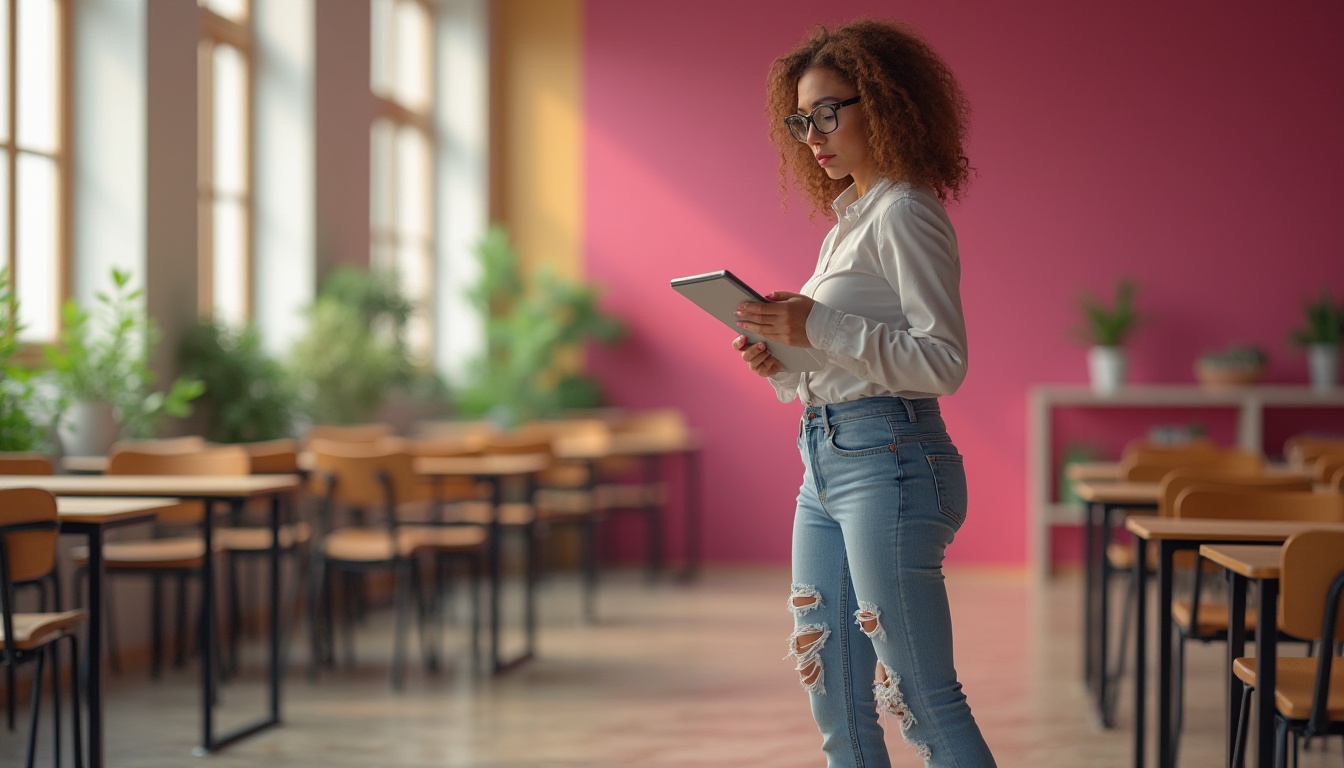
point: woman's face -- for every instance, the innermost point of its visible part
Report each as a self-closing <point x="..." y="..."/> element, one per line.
<point x="844" y="151"/>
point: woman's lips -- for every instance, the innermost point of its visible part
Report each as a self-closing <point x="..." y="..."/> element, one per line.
<point x="824" y="160"/>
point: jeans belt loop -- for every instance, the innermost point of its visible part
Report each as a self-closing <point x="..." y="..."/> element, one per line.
<point x="909" y="409"/>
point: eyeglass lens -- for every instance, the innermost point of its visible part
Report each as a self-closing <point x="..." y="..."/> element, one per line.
<point x="823" y="117"/>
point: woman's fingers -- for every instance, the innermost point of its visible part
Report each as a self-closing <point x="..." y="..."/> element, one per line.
<point x="757" y="357"/>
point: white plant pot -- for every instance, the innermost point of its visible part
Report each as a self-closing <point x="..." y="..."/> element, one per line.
<point x="1106" y="367"/>
<point x="1323" y="364"/>
<point x="88" y="429"/>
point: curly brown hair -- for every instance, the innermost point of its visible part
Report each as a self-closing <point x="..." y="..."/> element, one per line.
<point x="916" y="113"/>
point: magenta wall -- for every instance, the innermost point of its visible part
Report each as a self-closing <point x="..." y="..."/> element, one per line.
<point x="1196" y="146"/>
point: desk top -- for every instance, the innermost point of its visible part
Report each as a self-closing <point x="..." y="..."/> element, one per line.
<point x="1113" y="492"/>
<point x="186" y="486"/>
<point x="1154" y="528"/>
<point x="1254" y="561"/>
<point x="625" y="445"/>
<point x="100" y="511"/>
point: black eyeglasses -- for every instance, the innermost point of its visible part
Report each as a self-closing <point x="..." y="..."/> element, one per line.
<point x="822" y="118"/>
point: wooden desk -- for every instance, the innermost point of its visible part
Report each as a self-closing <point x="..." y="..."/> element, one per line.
<point x="493" y="470"/>
<point x="1245" y="562"/>
<point x="1171" y="535"/>
<point x="235" y="490"/>
<point x="91" y="517"/>
<point x="653" y="450"/>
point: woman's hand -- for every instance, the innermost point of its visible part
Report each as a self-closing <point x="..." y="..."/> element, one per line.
<point x="758" y="357"/>
<point x="782" y="318"/>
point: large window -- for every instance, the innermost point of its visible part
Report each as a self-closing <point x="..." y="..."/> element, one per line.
<point x="33" y="174"/>
<point x="225" y="160"/>
<point x="402" y="155"/>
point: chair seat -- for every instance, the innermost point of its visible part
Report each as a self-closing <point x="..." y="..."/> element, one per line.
<point x="34" y="629"/>
<point x="1294" y="680"/>
<point x="478" y="512"/>
<point x="452" y="538"/>
<point x="182" y="553"/>
<point x="259" y="539"/>
<point x="368" y="545"/>
<point x="1213" y="617"/>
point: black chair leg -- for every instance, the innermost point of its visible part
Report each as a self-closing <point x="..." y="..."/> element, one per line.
<point x="35" y="708"/>
<point x="155" y="626"/>
<point x="1243" y="714"/>
<point x="74" y="700"/>
<point x="590" y="570"/>
<point x="55" y="703"/>
<point x="316" y="588"/>
<point x="401" y="575"/>
<point x="235" y="610"/>
<point x="1127" y="608"/>
<point x="1280" y="742"/>
<point x="180" y="659"/>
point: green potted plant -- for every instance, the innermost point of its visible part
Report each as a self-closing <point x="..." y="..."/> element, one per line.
<point x="533" y="325"/>
<point x="100" y="366"/>
<point x="24" y="410"/>
<point x="353" y="354"/>
<point x="1235" y="365"/>
<point x="248" y="394"/>
<point x="1106" y="329"/>
<point x="1321" y="338"/>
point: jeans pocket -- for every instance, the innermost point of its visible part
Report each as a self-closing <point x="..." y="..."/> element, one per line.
<point x="862" y="437"/>
<point x="949" y="477"/>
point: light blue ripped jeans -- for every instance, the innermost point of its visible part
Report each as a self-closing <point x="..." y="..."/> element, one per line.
<point x="883" y="493"/>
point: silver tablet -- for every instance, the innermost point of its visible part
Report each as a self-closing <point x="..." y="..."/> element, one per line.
<point x="719" y="293"/>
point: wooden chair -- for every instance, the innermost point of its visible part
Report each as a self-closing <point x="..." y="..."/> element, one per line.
<point x="464" y="435"/>
<point x="1326" y="464"/>
<point x="28" y="532"/>
<point x="377" y="479"/>
<point x="1308" y="692"/>
<point x="27" y="463"/>
<point x="1151" y="465"/>
<point x="176" y="551"/>
<point x="1144" y="444"/>
<point x="1226" y="501"/>
<point x="166" y="445"/>
<point x="1301" y="450"/>
<point x="246" y="539"/>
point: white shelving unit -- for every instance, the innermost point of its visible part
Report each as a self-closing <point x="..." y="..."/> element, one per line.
<point x="1249" y="402"/>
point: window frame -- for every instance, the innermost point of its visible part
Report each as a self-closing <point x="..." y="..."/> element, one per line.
<point x="389" y="238"/>
<point x="218" y="30"/>
<point x="29" y="348"/>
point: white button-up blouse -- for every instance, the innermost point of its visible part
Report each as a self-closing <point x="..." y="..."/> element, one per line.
<point x="888" y="304"/>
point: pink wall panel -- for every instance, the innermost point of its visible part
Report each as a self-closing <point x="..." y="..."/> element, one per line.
<point x="1193" y="146"/>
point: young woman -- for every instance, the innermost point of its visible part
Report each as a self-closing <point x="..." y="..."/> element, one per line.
<point x="870" y="123"/>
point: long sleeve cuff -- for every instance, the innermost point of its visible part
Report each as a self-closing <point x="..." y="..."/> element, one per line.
<point x="822" y="324"/>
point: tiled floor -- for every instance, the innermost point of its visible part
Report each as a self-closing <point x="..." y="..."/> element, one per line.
<point x="671" y="676"/>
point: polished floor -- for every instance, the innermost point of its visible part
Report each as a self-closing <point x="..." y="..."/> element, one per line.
<point x="671" y="675"/>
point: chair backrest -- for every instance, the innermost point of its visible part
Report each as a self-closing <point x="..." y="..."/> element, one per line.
<point x="349" y="433"/>
<point x="26" y="463"/>
<point x="1311" y="561"/>
<point x="1336" y="482"/>
<point x="1301" y="450"/>
<point x="167" y="445"/>
<point x="30" y="554"/>
<point x="273" y="457"/>
<point x="659" y="423"/>
<point x="352" y="475"/>
<point x="221" y="461"/>
<point x="1177" y="480"/>
<point x="224" y="460"/>
<point x="471" y="433"/>
<point x="1206" y="501"/>
<point x="1150" y="466"/>
<point x="1324" y="466"/>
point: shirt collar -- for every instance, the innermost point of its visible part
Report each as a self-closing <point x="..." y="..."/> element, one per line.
<point x="850" y="206"/>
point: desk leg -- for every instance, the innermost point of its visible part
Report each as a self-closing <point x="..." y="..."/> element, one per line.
<point x="93" y="683"/>
<point x="496" y="532"/>
<point x="275" y="608"/>
<point x="1140" y="651"/>
<point x="1165" y="550"/>
<point x="691" y="504"/>
<point x="498" y="664"/>
<point x="1236" y="647"/>
<point x="1089" y="590"/>
<point x="1104" y="615"/>
<point x="1266" y="652"/>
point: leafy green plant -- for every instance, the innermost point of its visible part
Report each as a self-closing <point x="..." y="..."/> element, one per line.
<point x="1109" y="326"/>
<point x="1325" y="321"/>
<point x="354" y="352"/>
<point x="248" y="394"/>
<point x="531" y="327"/>
<point x="103" y="356"/>
<point x="20" y="399"/>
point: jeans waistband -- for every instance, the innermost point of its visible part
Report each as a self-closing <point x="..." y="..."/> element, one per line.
<point x="899" y="408"/>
